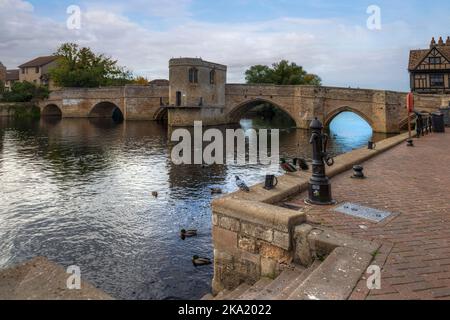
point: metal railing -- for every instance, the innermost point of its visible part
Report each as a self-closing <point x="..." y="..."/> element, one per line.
<point x="424" y="123"/>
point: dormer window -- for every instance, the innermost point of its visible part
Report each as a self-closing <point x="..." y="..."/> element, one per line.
<point x="212" y="77"/>
<point x="193" y="75"/>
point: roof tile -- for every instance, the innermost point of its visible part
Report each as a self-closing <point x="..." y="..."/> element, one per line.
<point x="39" y="62"/>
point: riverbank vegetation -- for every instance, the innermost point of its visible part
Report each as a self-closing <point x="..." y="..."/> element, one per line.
<point x="25" y="92"/>
<point x="20" y="102"/>
<point x="19" y="110"/>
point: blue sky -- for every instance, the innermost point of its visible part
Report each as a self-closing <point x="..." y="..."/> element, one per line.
<point x="327" y="37"/>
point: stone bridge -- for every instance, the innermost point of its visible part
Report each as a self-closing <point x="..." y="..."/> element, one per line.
<point x="127" y="102"/>
<point x="383" y="110"/>
<point x="197" y="90"/>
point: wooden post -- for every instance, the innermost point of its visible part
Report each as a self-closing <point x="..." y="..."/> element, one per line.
<point x="410" y="107"/>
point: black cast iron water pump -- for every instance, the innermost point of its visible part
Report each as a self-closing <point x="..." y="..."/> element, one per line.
<point x="319" y="184"/>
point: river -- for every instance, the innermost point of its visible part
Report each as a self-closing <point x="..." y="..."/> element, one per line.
<point x="79" y="192"/>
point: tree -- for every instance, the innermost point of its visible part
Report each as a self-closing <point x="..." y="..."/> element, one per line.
<point x="259" y="74"/>
<point x="281" y="73"/>
<point x="2" y="87"/>
<point x="25" y="92"/>
<point x="80" y="67"/>
<point x="141" y="81"/>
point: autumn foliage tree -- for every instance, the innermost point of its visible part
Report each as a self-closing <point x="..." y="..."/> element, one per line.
<point x="141" y="81"/>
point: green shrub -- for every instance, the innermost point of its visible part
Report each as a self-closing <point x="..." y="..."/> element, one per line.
<point x="25" y="92"/>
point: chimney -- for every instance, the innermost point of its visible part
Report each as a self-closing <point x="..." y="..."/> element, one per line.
<point x="447" y="43"/>
<point x="433" y="43"/>
<point x="440" y="42"/>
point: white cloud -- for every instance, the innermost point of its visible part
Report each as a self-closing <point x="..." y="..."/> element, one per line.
<point x="19" y="5"/>
<point x="342" y="54"/>
<point x="168" y="9"/>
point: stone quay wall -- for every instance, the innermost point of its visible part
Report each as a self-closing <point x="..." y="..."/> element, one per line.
<point x="254" y="237"/>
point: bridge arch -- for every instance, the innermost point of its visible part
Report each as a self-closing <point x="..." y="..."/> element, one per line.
<point x="330" y="117"/>
<point x="51" y="110"/>
<point x="238" y="111"/>
<point x="161" y="114"/>
<point x="106" y="109"/>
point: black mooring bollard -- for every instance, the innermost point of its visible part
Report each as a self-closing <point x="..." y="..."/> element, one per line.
<point x="319" y="184"/>
<point x="410" y="143"/>
<point x="358" y="172"/>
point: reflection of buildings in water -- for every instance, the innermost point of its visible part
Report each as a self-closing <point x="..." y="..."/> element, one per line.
<point x="79" y="147"/>
<point x="195" y="176"/>
<point x="294" y="143"/>
<point x="156" y="131"/>
<point x="49" y="121"/>
<point x="189" y="175"/>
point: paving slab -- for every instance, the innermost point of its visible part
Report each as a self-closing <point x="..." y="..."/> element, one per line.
<point x="414" y="183"/>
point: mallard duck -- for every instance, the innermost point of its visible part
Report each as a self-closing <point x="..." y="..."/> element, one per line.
<point x="216" y="191"/>
<point x="242" y="185"/>
<point x="188" y="233"/>
<point x="198" y="261"/>
<point x="301" y="163"/>
<point x="155" y="194"/>
<point x="287" y="166"/>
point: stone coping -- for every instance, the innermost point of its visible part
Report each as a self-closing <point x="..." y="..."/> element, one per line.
<point x="312" y="87"/>
<point x="291" y="184"/>
<point x="260" y="213"/>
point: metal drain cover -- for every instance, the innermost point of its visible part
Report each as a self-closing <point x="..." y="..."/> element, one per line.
<point x="362" y="212"/>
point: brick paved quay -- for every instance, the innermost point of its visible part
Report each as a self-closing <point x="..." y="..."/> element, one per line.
<point x="414" y="183"/>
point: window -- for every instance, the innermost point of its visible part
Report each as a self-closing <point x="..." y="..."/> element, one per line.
<point x="435" y="60"/>
<point x="178" y="98"/>
<point x="37" y="69"/>
<point x="193" y="75"/>
<point x="437" y="80"/>
<point x="421" y="81"/>
<point x="212" y="77"/>
<point x="23" y="70"/>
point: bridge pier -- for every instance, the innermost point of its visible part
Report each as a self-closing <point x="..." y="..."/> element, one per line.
<point x="186" y="116"/>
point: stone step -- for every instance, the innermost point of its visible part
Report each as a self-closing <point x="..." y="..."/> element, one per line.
<point x="221" y="294"/>
<point x="253" y="291"/>
<point x="207" y="297"/>
<point x="279" y="284"/>
<point x="336" y="277"/>
<point x="236" y="293"/>
<point x="293" y="285"/>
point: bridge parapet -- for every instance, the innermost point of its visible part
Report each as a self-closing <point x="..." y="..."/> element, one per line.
<point x="135" y="102"/>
